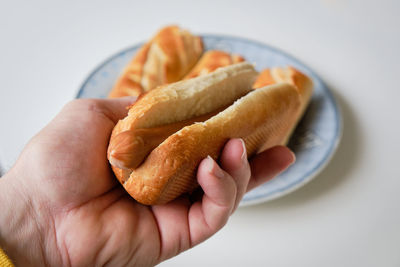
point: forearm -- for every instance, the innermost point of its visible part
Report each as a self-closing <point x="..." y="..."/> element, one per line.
<point x="20" y="236"/>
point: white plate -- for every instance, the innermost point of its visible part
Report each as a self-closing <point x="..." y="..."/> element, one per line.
<point x="314" y="141"/>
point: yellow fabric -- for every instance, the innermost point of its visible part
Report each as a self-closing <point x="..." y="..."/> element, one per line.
<point x="4" y="260"/>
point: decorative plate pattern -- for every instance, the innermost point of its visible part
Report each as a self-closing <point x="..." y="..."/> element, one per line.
<point x="314" y="141"/>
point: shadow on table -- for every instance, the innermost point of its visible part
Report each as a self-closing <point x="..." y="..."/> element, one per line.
<point x="335" y="173"/>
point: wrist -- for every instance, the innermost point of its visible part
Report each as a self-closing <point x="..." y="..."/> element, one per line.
<point x="19" y="231"/>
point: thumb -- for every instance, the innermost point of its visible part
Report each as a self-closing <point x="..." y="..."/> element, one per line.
<point x="87" y="118"/>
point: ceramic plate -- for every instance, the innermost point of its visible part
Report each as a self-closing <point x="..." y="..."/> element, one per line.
<point x="314" y="141"/>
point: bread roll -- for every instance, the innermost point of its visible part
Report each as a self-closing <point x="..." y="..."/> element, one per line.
<point x="179" y="125"/>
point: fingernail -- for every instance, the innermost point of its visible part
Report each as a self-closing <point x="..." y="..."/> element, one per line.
<point x="293" y="157"/>
<point x="244" y="152"/>
<point x="213" y="168"/>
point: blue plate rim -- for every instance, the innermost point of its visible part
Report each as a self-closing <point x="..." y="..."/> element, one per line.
<point x="310" y="175"/>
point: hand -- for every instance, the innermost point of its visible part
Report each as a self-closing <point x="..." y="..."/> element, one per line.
<point x="61" y="205"/>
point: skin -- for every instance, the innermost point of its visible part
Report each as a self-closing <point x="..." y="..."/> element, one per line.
<point x="61" y="204"/>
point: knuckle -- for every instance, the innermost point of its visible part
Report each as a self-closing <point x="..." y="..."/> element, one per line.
<point x="94" y="107"/>
<point x="83" y="103"/>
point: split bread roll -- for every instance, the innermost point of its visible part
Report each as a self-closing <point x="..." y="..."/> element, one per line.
<point x="155" y="150"/>
<point x="166" y="58"/>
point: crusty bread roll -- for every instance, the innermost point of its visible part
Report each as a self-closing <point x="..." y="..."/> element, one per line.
<point x="212" y="60"/>
<point x="166" y="58"/>
<point x="156" y="149"/>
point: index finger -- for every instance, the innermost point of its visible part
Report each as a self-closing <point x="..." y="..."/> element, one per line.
<point x="268" y="164"/>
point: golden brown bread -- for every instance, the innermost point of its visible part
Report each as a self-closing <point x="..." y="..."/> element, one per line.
<point x="262" y="117"/>
<point x="212" y="60"/>
<point x="164" y="59"/>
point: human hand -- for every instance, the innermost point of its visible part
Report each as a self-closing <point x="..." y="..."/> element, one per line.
<point x="61" y="204"/>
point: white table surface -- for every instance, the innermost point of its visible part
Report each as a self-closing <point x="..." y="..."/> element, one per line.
<point x="348" y="216"/>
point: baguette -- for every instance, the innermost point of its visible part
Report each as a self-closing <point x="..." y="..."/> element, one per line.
<point x="154" y="152"/>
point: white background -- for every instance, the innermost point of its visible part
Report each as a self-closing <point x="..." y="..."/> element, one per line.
<point x="348" y="216"/>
